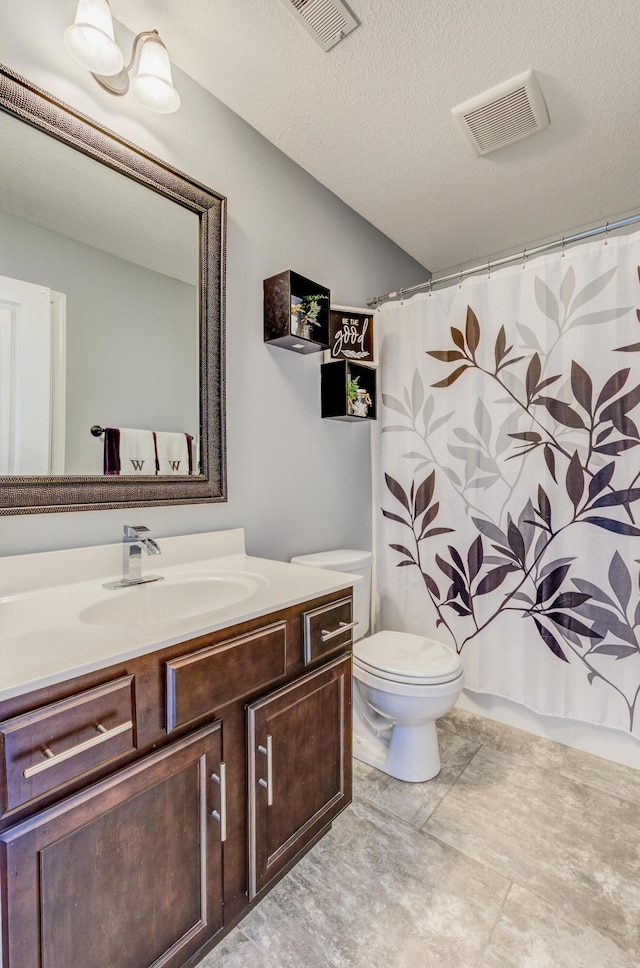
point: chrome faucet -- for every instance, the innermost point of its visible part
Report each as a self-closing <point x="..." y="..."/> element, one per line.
<point x="135" y="538"/>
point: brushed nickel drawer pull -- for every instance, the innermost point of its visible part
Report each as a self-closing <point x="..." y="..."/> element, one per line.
<point x="342" y="627"/>
<point x="52" y="759"/>
<point x="221" y="815"/>
<point x="268" y="783"/>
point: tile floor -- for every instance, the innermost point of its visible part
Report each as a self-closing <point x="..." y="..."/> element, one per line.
<point x="522" y="853"/>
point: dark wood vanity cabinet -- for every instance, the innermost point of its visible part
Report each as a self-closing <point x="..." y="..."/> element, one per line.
<point x="141" y="850"/>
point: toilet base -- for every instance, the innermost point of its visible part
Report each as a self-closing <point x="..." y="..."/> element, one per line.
<point x="394" y="724"/>
<point x="408" y="753"/>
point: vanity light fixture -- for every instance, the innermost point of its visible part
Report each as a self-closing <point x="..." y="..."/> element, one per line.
<point x="91" y="43"/>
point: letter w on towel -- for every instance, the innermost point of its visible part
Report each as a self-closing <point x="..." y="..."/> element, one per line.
<point x="175" y="453"/>
<point x="128" y="451"/>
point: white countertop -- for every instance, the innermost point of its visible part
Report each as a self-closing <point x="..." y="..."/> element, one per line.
<point x="44" y="639"/>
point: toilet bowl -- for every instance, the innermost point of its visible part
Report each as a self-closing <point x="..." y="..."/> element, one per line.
<point x="402" y="683"/>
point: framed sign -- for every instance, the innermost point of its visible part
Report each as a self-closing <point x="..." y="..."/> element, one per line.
<point x="351" y="335"/>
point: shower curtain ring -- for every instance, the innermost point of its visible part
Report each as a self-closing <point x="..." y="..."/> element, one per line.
<point x="488" y="269"/>
<point x="402" y="297"/>
<point x="460" y="282"/>
<point x="606" y="234"/>
<point x="524" y="258"/>
<point x="562" y="242"/>
<point x="430" y="287"/>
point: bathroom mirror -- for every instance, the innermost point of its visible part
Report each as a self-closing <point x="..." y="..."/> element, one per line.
<point x="111" y="312"/>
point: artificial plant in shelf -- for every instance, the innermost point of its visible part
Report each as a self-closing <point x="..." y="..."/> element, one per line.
<point x="304" y="314"/>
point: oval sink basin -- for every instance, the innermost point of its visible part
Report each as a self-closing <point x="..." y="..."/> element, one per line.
<point x="171" y="599"/>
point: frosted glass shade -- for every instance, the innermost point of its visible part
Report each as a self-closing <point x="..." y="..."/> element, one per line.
<point x="153" y="83"/>
<point x="90" y="40"/>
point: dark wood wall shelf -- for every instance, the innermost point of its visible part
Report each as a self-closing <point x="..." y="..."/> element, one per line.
<point x="335" y="379"/>
<point x="296" y="313"/>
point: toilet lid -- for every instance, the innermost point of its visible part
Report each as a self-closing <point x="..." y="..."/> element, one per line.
<point x="403" y="657"/>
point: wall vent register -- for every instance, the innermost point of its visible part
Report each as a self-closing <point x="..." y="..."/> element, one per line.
<point x="508" y="112"/>
<point x="327" y="21"/>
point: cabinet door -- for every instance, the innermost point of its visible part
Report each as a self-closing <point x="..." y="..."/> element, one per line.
<point x="299" y="767"/>
<point x="126" y="874"/>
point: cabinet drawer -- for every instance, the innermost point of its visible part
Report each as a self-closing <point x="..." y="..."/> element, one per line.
<point x="327" y="630"/>
<point x="202" y="682"/>
<point x="51" y="745"/>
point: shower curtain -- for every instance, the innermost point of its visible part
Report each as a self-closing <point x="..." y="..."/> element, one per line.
<point x="507" y="479"/>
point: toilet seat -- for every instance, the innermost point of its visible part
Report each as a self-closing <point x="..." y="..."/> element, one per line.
<point x="406" y="658"/>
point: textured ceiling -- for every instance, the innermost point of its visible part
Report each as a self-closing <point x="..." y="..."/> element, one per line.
<point x="372" y="121"/>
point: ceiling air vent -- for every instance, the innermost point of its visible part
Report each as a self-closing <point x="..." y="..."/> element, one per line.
<point x="507" y="113"/>
<point x="328" y="21"/>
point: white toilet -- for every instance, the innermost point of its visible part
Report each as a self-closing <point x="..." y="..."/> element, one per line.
<point x="402" y="683"/>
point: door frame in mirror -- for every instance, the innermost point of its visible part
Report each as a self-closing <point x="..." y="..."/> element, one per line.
<point x="27" y="495"/>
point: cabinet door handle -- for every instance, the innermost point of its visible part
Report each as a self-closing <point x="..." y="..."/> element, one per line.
<point x="268" y="783"/>
<point x="52" y="759"/>
<point x="342" y="627"/>
<point x="221" y="814"/>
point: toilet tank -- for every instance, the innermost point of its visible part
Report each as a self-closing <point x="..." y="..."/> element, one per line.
<point x="347" y="560"/>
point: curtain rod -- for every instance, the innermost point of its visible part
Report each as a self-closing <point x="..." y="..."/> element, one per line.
<point x="488" y="265"/>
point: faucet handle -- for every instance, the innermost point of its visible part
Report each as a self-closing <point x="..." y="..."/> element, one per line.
<point x="134" y="530"/>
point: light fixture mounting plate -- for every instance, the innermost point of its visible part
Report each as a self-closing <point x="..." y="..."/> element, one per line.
<point x="117" y="84"/>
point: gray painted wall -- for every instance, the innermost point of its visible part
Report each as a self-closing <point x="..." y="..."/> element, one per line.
<point x="132" y="338"/>
<point x="296" y="483"/>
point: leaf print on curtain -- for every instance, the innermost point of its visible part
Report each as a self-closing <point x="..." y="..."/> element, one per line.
<point x="508" y="479"/>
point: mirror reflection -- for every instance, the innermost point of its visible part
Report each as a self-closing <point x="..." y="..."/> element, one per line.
<point x="99" y="317"/>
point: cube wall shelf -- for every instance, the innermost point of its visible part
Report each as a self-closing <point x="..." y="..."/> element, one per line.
<point x="337" y="379"/>
<point x="296" y="313"/>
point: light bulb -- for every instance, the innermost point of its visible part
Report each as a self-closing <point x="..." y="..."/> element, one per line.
<point x="90" y="39"/>
<point x="153" y="83"/>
